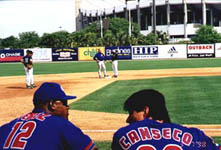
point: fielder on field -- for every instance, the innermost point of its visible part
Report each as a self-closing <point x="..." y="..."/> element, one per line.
<point x="150" y="127"/>
<point x="114" y="60"/>
<point x="100" y="58"/>
<point x="28" y="67"/>
<point x="47" y="126"/>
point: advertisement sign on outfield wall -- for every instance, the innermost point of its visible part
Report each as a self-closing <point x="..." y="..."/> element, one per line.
<point x="87" y="53"/>
<point x="145" y="52"/>
<point x="218" y="49"/>
<point x="11" y="55"/>
<point x="41" y="54"/>
<point x="200" y="50"/>
<point x="64" y="54"/>
<point x="124" y="52"/>
<point x="172" y="51"/>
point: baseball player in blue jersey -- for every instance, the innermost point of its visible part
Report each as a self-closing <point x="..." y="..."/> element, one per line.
<point x="28" y="66"/>
<point x="150" y="127"/>
<point x="47" y="126"/>
<point x="100" y="58"/>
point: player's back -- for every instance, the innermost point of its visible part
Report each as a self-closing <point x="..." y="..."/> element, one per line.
<point x="40" y="131"/>
<point x="151" y="135"/>
<point x="27" y="60"/>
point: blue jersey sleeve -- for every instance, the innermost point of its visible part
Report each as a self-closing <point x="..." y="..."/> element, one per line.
<point x="1" y="135"/>
<point x="76" y="138"/>
<point x="204" y="140"/>
<point x="212" y="145"/>
<point x="95" y="56"/>
<point x="106" y="58"/>
<point x="4" y="133"/>
<point x="115" y="145"/>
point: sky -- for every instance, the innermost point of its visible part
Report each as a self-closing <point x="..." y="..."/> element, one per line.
<point x="41" y="16"/>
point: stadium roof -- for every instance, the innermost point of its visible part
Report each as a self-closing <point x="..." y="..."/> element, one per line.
<point x="94" y="6"/>
<point x="99" y="6"/>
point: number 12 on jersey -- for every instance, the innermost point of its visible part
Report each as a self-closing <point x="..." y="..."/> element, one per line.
<point x="17" y="139"/>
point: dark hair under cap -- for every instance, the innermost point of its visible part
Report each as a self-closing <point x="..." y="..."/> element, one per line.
<point x="29" y="51"/>
<point x="150" y="98"/>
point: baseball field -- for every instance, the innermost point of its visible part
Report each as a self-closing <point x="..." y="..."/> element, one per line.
<point x="191" y="88"/>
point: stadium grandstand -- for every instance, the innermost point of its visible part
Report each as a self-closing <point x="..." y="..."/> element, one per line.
<point x="177" y="18"/>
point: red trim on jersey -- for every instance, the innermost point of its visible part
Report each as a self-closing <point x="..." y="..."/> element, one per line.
<point x="89" y="146"/>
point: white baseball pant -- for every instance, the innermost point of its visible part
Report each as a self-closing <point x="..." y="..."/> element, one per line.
<point x="115" y="67"/>
<point x="102" y="66"/>
<point x="29" y="76"/>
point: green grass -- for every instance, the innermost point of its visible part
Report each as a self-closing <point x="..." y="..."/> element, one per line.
<point x="17" y="69"/>
<point x="103" y="145"/>
<point x="190" y="100"/>
<point x="14" y="69"/>
<point x="217" y="139"/>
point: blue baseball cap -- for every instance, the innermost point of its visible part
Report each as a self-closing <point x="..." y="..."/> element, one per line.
<point x="50" y="91"/>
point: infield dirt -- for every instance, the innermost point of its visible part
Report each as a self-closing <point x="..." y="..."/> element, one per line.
<point x="16" y="100"/>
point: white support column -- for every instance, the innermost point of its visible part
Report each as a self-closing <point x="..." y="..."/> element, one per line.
<point x="129" y="28"/>
<point x="194" y="17"/>
<point x="138" y="14"/>
<point x="151" y="7"/>
<point x="78" y="15"/>
<point x="211" y="17"/>
<point x="146" y="22"/>
<point x="153" y="18"/>
<point x="101" y="24"/>
<point x="204" y="12"/>
<point x="185" y="19"/>
<point x="168" y="18"/>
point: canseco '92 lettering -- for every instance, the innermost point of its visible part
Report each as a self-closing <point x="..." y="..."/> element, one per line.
<point x="146" y="133"/>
